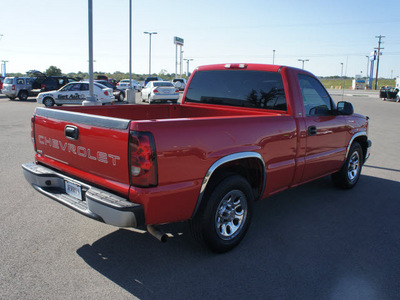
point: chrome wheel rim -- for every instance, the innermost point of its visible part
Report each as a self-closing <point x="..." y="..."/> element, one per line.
<point x="231" y="215"/>
<point x="354" y="166"/>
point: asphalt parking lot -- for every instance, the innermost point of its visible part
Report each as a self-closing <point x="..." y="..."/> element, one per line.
<point x="311" y="242"/>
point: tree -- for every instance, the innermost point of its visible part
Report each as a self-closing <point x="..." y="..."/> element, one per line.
<point x="53" y="71"/>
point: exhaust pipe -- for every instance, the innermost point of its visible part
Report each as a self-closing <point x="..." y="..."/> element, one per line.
<point x="157" y="233"/>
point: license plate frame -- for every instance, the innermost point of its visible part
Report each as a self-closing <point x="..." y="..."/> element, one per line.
<point x="74" y="190"/>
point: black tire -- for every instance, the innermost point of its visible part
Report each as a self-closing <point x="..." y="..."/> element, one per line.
<point x="11" y="98"/>
<point x="224" y="215"/>
<point x="121" y="97"/>
<point x="350" y="172"/>
<point x="23" y="95"/>
<point x="48" y="102"/>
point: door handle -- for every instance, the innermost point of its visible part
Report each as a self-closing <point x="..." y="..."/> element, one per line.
<point x="312" y="130"/>
<point x="71" y="132"/>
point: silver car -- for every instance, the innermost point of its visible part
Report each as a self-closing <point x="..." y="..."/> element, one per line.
<point x="20" y="87"/>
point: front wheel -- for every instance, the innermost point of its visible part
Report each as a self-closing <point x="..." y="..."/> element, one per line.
<point x="48" y="102"/>
<point x="224" y="215"/>
<point x="350" y="172"/>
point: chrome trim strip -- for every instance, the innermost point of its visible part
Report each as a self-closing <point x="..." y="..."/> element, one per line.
<point x="361" y="133"/>
<point x="224" y="160"/>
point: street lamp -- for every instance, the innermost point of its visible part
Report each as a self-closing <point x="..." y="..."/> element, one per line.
<point x="303" y="60"/>
<point x="187" y="61"/>
<point x="149" y="33"/>
<point x="367" y="56"/>
<point x="273" y="57"/>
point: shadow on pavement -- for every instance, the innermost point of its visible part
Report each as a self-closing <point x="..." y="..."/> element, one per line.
<point x="311" y="242"/>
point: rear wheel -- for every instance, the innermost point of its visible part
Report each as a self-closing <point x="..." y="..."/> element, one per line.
<point x="23" y="95"/>
<point x="48" y="102"/>
<point x="121" y="97"/>
<point x="224" y="215"/>
<point x="350" y="172"/>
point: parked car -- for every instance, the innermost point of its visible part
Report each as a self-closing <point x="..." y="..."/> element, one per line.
<point x="20" y="87"/>
<point x="119" y="94"/>
<point x="180" y="83"/>
<point x="75" y="93"/>
<point x="124" y="85"/>
<point x="160" y="91"/>
<point x="152" y="78"/>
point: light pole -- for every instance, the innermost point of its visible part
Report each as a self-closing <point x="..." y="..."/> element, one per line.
<point x="149" y="33"/>
<point x="367" y="56"/>
<point x="303" y="60"/>
<point x="4" y="63"/>
<point x="187" y="62"/>
<point x="273" y="57"/>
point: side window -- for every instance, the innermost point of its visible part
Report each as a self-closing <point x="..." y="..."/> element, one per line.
<point x="20" y="81"/>
<point x="316" y="100"/>
<point x="84" y="87"/>
<point x="75" y="87"/>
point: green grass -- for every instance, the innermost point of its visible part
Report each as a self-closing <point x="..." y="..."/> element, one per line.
<point x="347" y="83"/>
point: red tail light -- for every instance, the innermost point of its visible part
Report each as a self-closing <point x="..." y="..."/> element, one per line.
<point x="106" y="93"/>
<point x="176" y="91"/>
<point x="13" y="87"/>
<point x="155" y="91"/>
<point x="143" y="163"/>
<point x="43" y="86"/>
<point x="33" y="131"/>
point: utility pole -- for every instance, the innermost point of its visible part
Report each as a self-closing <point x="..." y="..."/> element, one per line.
<point x="273" y="57"/>
<point x="379" y="54"/>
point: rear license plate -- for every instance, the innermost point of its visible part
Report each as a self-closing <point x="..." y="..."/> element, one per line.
<point x="73" y="190"/>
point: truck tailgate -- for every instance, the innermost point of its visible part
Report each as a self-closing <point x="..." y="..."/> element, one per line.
<point x="84" y="144"/>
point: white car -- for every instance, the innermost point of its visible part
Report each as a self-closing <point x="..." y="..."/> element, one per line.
<point x="180" y="83"/>
<point x="160" y="91"/>
<point x="75" y="93"/>
<point x="124" y="85"/>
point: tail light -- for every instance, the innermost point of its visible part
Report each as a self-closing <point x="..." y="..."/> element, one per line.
<point x="177" y="91"/>
<point x="33" y="132"/>
<point x="155" y="91"/>
<point x="13" y="87"/>
<point x="106" y="93"/>
<point x="43" y="86"/>
<point x="142" y="159"/>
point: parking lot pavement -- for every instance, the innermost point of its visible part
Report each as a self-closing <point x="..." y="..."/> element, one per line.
<point x="311" y="242"/>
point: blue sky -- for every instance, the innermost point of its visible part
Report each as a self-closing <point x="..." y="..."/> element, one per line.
<point x="38" y="34"/>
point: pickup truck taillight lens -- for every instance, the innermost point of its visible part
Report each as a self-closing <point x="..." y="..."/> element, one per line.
<point x="33" y="131"/>
<point x="142" y="159"/>
<point x="13" y="87"/>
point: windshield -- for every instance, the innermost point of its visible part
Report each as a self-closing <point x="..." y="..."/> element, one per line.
<point x="258" y="89"/>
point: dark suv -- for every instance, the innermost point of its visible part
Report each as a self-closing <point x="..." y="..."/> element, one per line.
<point x="44" y="83"/>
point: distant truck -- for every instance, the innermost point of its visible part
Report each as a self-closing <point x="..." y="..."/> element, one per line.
<point x="243" y="132"/>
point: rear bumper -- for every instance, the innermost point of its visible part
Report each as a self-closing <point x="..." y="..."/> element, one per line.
<point x="96" y="204"/>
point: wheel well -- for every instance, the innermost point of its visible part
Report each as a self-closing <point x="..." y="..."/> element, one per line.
<point x="251" y="169"/>
<point x="363" y="141"/>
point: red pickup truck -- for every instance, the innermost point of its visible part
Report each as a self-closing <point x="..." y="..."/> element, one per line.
<point x="242" y="133"/>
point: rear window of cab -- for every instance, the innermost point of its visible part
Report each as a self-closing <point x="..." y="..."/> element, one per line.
<point x="242" y="88"/>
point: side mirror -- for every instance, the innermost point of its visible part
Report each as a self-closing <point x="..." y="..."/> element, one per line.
<point x="345" y="108"/>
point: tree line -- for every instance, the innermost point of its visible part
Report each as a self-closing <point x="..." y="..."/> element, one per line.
<point x="117" y="75"/>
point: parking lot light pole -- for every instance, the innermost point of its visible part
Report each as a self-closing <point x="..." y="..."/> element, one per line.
<point x="149" y="33"/>
<point x="303" y="60"/>
<point x="187" y="62"/>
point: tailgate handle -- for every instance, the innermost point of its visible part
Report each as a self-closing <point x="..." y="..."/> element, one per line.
<point x="71" y="132"/>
